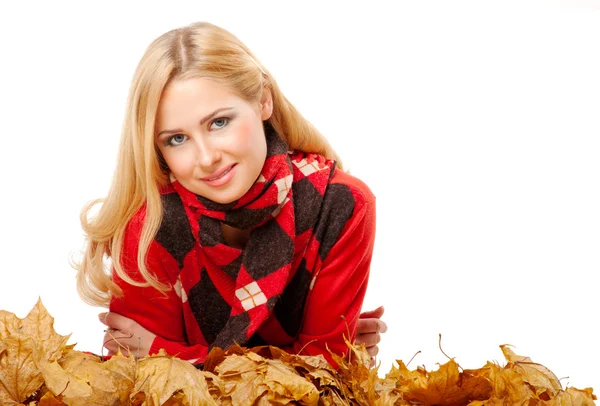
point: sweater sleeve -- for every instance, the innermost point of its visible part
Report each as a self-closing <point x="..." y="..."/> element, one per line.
<point x="159" y="312"/>
<point x="333" y="306"/>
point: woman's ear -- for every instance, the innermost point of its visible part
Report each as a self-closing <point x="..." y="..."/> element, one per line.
<point x="266" y="104"/>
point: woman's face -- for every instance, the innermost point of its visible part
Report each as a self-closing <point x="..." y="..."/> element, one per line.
<point x="212" y="140"/>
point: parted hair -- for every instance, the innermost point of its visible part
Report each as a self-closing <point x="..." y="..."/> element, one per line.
<point x="197" y="50"/>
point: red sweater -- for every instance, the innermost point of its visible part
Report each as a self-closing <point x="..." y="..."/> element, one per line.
<point x="337" y="288"/>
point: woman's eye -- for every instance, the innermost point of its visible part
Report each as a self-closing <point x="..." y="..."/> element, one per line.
<point x="219" y="123"/>
<point x="177" y="139"/>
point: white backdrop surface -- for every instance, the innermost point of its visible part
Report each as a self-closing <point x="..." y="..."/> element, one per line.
<point x="475" y="123"/>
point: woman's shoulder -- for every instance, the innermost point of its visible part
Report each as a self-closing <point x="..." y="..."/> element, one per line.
<point x="360" y="191"/>
<point x="342" y="186"/>
<point x="347" y="212"/>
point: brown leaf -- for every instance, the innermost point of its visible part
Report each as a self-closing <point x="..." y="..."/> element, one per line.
<point x="314" y="368"/>
<point x="358" y="383"/>
<point x="538" y="376"/>
<point x="446" y="386"/>
<point x="50" y="400"/>
<point x="61" y="382"/>
<point x="241" y="379"/>
<point x="19" y="376"/>
<point x="573" y="397"/>
<point x="286" y="385"/>
<point x="253" y="379"/>
<point x="507" y="385"/>
<point x="109" y="382"/>
<point x="160" y="376"/>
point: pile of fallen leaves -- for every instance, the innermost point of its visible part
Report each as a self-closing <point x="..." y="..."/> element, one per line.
<point x="38" y="368"/>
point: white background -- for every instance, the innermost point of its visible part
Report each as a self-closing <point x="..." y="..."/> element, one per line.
<point x="475" y="123"/>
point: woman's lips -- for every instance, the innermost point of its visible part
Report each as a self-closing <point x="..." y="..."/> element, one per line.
<point x="220" y="177"/>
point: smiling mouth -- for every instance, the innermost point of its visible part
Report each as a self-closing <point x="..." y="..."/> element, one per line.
<point x="219" y="176"/>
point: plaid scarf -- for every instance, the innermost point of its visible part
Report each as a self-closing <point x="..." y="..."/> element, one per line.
<point x="237" y="290"/>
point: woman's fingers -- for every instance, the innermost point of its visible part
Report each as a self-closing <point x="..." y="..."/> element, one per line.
<point x="115" y="340"/>
<point x="125" y="334"/>
<point x="373" y="351"/>
<point x="366" y="326"/>
<point x="369" y="340"/>
<point x="118" y="334"/>
<point x="110" y="343"/>
<point x="373" y="314"/>
<point x="368" y="331"/>
<point x="116" y="322"/>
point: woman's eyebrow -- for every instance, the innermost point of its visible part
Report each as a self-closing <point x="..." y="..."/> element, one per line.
<point x="202" y="121"/>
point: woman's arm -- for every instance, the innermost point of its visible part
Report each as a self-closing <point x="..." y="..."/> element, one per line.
<point x="149" y="311"/>
<point x="132" y="339"/>
<point x="333" y="306"/>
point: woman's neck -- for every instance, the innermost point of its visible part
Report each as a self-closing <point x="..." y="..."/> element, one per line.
<point x="235" y="237"/>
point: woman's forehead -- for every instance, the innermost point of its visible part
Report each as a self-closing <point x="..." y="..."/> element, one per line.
<point x="191" y="99"/>
<point x="201" y="90"/>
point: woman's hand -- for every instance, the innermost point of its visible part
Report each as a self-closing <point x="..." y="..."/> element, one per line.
<point x="126" y="334"/>
<point x="368" y="331"/>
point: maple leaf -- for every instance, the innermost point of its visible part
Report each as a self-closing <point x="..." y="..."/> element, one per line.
<point x="61" y="382"/>
<point x="161" y="376"/>
<point x="48" y="399"/>
<point x="357" y="382"/>
<point x="250" y="378"/>
<point x="445" y="386"/>
<point x="240" y="380"/>
<point x="541" y="380"/>
<point x="20" y="377"/>
<point x="522" y="381"/>
<point x="286" y="385"/>
<point x="573" y="397"/>
<point x="314" y="368"/>
<point x="92" y="381"/>
<point x="507" y="384"/>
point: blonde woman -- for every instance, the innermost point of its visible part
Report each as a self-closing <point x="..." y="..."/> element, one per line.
<point x="230" y="219"/>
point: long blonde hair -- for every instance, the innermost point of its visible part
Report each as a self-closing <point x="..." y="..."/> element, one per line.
<point x="198" y="50"/>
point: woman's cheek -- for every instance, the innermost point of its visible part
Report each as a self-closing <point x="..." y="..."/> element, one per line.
<point x="243" y="138"/>
<point x="179" y="161"/>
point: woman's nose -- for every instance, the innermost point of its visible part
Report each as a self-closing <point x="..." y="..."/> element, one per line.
<point x="208" y="153"/>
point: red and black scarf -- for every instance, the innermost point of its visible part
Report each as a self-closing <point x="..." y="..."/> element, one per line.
<point x="239" y="289"/>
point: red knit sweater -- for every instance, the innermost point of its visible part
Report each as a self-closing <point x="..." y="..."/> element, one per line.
<point x="337" y="289"/>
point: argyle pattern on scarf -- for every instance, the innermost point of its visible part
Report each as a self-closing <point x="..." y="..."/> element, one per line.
<point x="231" y="293"/>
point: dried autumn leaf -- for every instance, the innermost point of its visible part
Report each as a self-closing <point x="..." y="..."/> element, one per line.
<point x="315" y="368"/>
<point x="249" y="378"/>
<point x="285" y="385"/>
<point x="573" y="397"/>
<point x="160" y="376"/>
<point x="61" y="382"/>
<point x="239" y="380"/>
<point x="507" y="385"/>
<point x="50" y="400"/>
<point x="357" y="382"/>
<point x="109" y="382"/>
<point x="445" y="386"/>
<point x="538" y="376"/>
<point x="19" y="375"/>
<point x="218" y="355"/>
<point x="522" y="381"/>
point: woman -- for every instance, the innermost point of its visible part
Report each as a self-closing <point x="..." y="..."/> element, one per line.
<point x="229" y="219"/>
